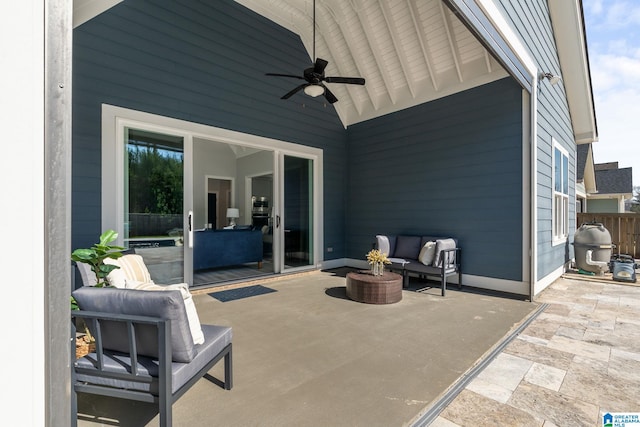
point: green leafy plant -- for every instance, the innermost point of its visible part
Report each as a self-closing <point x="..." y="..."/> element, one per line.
<point x="95" y="256"/>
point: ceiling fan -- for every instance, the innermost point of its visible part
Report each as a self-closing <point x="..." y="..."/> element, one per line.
<point x="314" y="75"/>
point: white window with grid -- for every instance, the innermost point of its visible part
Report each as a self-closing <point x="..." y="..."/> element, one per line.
<point x="560" y="180"/>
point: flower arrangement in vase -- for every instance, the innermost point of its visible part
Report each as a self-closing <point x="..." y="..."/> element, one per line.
<point x="377" y="260"/>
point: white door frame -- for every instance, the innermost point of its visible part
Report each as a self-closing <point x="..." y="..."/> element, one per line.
<point x="115" y="119"/>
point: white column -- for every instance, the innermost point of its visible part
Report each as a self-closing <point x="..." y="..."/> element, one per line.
<point x="22" y="318"/>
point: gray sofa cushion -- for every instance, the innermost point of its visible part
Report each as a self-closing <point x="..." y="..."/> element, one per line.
<point x="216" y="339"/>
<point x="407" y="247"/>
<point x="87" y="276"/>
<point x="418" y="267"/>
<point x="426" y="239"/>
<point x="164" y="305"/>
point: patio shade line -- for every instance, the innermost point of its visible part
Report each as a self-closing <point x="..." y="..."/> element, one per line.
<point x="432" y="413"/>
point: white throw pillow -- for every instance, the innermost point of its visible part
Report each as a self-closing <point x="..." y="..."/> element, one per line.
<point x="117" y="278"/>
<point x="427" y="253"/>
<point x="383" y="244"/>
<point x="192" y="314"/>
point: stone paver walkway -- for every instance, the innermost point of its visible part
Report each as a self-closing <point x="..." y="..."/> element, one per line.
<point x="577" y="360"/>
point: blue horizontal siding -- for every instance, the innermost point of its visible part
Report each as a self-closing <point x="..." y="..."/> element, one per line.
<point x="203" y="62"/>
<point x="532" y="22"/>
<point x="449" y="167"/>
<point x="452" y="167"/>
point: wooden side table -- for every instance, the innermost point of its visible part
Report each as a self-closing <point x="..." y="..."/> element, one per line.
<point x="364" y="287"/>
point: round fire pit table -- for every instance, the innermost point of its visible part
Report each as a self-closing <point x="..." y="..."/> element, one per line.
<point x="364" y="287"/>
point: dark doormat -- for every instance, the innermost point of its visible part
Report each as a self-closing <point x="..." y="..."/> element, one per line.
<point x="239" y="293"/>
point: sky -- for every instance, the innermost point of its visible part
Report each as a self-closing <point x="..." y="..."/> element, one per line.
<point x="613" y="39"/>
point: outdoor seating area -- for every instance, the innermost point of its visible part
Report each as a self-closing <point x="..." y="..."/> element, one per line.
<point x="306" y="354"/>
<point x="425" y="256"/>
<point x="144" y="350"/>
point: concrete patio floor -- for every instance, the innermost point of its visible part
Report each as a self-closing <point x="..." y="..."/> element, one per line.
<point x="306" y="355"/>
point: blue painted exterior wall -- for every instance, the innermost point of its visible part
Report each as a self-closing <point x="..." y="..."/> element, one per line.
<point x="451" y="167"/>
<point x="531" y="21"/>
<point x="203" y="62"/>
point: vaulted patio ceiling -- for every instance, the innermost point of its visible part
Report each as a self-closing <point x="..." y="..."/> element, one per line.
<point x="409" y="51"/>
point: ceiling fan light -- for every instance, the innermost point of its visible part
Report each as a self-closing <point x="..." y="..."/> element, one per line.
<point x="314" y="90"/>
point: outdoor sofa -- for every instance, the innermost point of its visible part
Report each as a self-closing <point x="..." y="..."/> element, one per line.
<point x="425" y="256"/>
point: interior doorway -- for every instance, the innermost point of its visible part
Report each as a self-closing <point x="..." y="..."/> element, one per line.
<point x="218" y="201"/>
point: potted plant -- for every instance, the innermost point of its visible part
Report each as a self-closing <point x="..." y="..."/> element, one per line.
<point x="377" y="260"/>
<point x="95" y="256"/>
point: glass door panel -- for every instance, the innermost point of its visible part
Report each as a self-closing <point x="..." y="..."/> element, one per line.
<point x="153" y="202"/>
<point x="298" y="212"/>
<point x="232" y="206"/>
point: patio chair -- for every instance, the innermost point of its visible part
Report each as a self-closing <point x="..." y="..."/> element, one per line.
<point x="144" y="350"/>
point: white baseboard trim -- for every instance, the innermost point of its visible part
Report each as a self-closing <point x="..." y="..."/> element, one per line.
<point x="548" y="279"/>
<point x="333" y="263"/>
<point x="490" y="283"/>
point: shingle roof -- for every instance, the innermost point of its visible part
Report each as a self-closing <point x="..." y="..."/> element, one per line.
<point x="614" y="181"/>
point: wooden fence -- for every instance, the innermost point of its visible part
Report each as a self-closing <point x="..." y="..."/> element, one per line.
<point x="624" y="229"/>
<point x="144" y="225"/>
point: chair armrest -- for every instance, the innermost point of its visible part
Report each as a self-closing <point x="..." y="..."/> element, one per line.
<point x="456" y="259"/>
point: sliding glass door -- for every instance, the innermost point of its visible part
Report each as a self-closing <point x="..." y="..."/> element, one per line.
<point x="297" y="218"/>
<point x="166" y="182"/>
<point x="154" y="203"/>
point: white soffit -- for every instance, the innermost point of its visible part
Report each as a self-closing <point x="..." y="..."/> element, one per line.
<point x="409" y="51"/>
<point x="84" y="10"/>
<point x="568" y="27"/>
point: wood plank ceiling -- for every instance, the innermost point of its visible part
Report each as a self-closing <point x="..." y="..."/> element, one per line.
<point x="409" y="51"/>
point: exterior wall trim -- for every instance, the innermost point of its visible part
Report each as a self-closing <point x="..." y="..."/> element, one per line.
<point x="489" y="283"/>
<point x="481" y="20"/>
<point x="544" y="282"/>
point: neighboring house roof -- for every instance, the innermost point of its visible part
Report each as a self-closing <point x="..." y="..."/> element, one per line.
<point x="606" y="166"/>
<point x="614" y="181"/>
<point x="412" y="52"/>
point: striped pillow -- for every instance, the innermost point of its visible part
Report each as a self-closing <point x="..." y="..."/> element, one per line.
<point x="134" y="269"/>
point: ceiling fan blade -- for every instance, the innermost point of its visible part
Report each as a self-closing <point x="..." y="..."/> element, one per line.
<point x="320" y="65"/>
<point x="329" y="95"/>
<point x="347" y="80"/>
<point x="284" y="75"/>
<point x="290" y="93"/>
